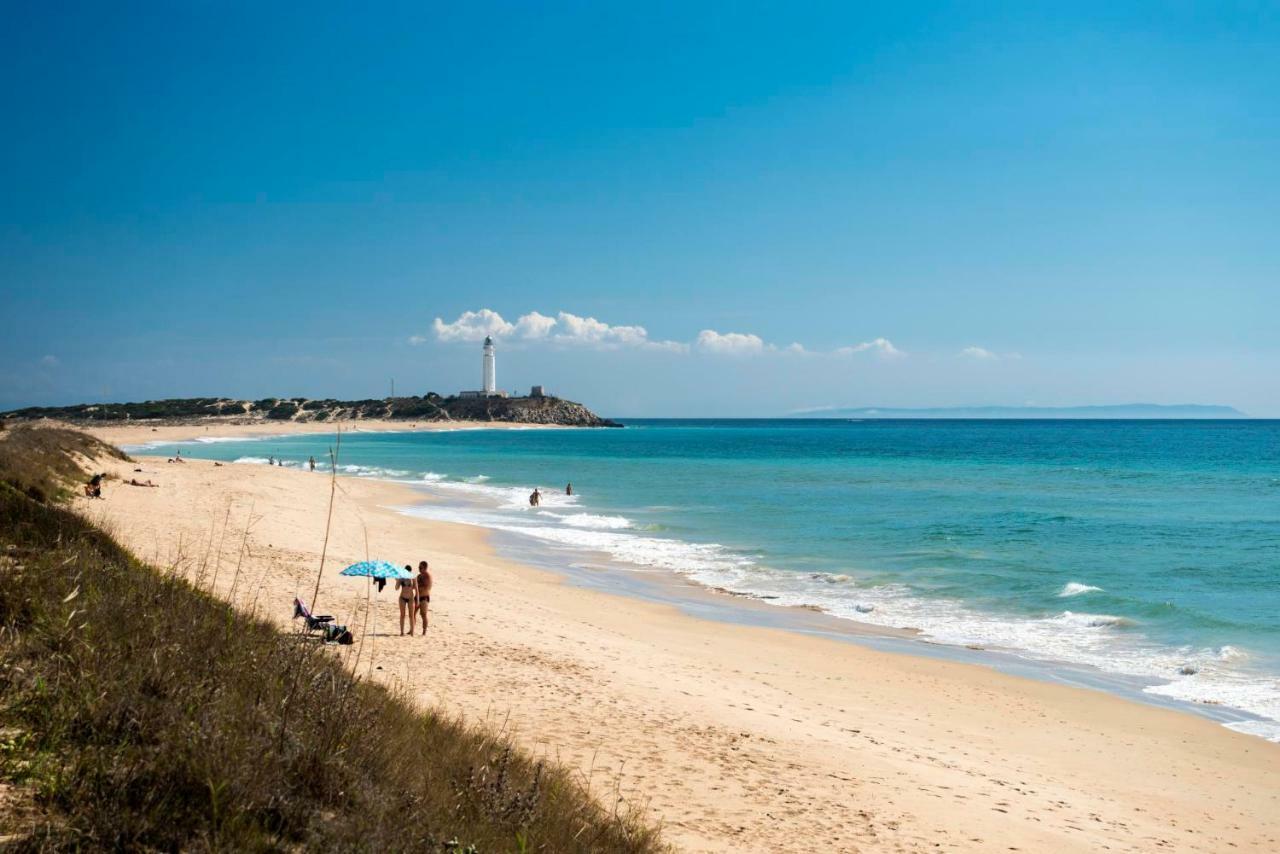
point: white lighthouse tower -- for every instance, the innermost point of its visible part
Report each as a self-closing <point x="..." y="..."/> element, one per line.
<point x="490" y="369"/>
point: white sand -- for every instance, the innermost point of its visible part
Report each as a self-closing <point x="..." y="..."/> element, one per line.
<point x="735" y="738"/>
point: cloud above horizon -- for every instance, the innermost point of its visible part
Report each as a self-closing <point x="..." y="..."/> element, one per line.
<point x="881" y="347"/>
<point x="570" y="329"/>
<point x="565" y="328"/>
<point x="982" y="354"/>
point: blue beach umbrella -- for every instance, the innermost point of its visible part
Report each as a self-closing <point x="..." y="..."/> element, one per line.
<point x="377" y="569"/>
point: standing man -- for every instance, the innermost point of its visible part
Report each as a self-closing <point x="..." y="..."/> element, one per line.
<point x="312" y="463"/>
<point x="424" y="592"/>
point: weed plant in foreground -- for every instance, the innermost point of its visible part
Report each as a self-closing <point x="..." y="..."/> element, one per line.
<point x="137" y="712"/>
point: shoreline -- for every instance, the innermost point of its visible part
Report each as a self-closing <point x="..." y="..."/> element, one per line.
<point x="702" y="602"/>
<point x="702" y="599"/>
<point x="141" y="434"/>
<point x="733" y="735"/>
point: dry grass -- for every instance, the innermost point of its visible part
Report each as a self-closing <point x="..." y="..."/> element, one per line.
<point x="44" y="463"/>
<point x="137" y="712"/>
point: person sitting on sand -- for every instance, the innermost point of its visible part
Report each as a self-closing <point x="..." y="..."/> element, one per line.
<point x="535" y="498"/>
<point x="424" y="592"/>
<point x="408" y="590"/>
<point x="93" y="488"/>
<point x="271" y="461"/>
<point x="177" y="458"/>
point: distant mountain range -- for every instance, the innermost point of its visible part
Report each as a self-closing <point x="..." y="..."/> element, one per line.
<point x="1127" y="410"/>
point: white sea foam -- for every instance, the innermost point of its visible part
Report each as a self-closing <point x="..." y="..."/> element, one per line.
<point x="1111" y="643"/>
<point x="590" y="520"/>
<point x="1075" y="588"/>
<point x="370" y="471"/>
<point x="259" y="461"/>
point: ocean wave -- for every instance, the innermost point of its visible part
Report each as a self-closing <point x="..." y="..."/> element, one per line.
<point x="257" y="461"/>
<point x="1075" y="588"/>
<point x="370" y="471"/>
<point x="1109" y="642"/>
<point x="1094" y="621"/>
<point x="590" y="520"/>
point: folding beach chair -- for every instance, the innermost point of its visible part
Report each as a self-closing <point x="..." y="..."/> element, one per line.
<point x="330" y="632"/>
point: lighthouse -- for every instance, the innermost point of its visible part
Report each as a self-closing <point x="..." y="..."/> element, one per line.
<point x="490" y="385"/>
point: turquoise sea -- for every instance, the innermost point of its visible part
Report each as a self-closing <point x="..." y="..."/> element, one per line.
<point x="1148" y="549"/>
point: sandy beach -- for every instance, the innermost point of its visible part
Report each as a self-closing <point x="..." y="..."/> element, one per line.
<point x="142" y="433"/>
<point x="733" y="737"/>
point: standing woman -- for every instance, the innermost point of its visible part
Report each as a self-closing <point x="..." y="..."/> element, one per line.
<point x="424" y="592"/>
<point x="407" y="588"/>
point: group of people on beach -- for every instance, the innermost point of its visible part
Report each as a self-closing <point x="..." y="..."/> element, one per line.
<point x="415" y="596"/>
<point x="535" y="497"/>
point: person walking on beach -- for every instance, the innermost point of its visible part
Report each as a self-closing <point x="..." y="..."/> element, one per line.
<point x="408" y="590"/>
<point x="424" y="592"/>
<point x="312" y="462"/>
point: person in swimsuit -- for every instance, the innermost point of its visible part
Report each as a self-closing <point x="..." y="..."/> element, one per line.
<point x="408" y="589"/>
<point x="424" y="592"/>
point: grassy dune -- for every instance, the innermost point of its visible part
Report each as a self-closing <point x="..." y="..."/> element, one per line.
<point x="137" y="712"/>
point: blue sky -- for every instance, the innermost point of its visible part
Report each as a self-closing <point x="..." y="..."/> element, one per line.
<point x="1005" y="203"/>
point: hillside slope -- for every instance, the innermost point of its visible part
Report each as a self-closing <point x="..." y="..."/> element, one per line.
<point x="429" y="407"/>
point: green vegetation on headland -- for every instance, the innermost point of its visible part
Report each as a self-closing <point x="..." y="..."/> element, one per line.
<point x="429" y="407"/>
<point x="137" y="712"/>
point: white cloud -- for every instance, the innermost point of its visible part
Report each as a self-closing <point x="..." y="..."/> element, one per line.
<point x="732" y="343"/>
<point x="882" y="347"/>
<point x="982" y="354"/>
<point x="534" y="325"/>
<point x="415" y="340"/>
<point x="564" y="329"/>
<point x="588" y="330"/>
<point x="472" y="326"/>
<point x="50" y="361"/>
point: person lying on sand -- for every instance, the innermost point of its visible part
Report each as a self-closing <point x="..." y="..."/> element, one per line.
<point x="133" y="481"/>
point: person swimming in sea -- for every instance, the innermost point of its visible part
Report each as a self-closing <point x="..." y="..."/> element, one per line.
<point x="568" y="489"/>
